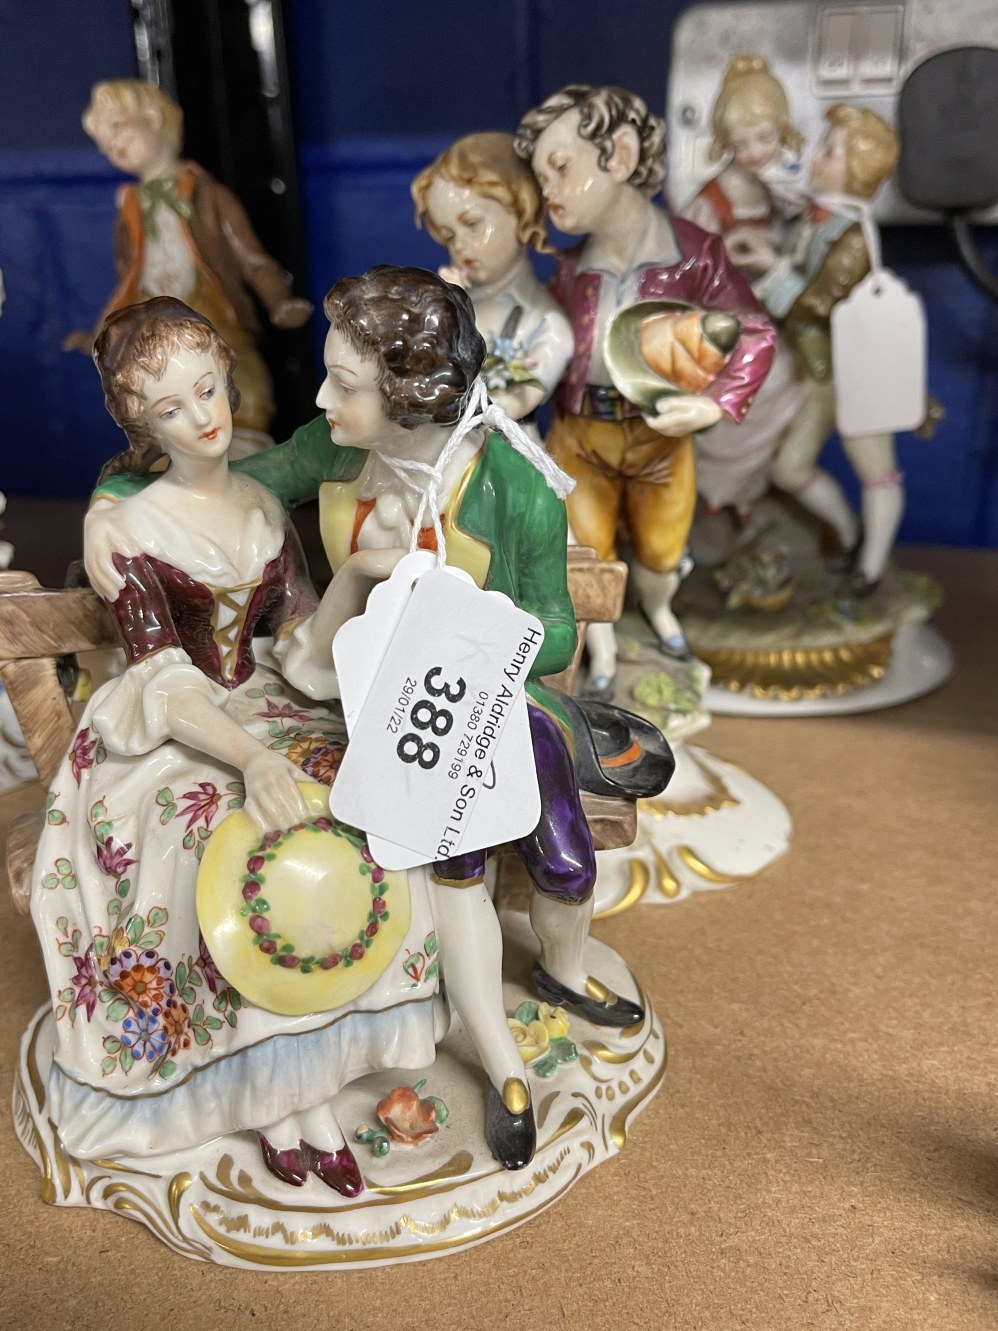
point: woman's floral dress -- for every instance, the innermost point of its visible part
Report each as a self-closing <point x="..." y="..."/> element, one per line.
<point x="154" y="1049"/>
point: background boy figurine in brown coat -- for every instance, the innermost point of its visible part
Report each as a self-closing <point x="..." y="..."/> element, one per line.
<point x="179" y="232"/>
<point x="822" y="258"/>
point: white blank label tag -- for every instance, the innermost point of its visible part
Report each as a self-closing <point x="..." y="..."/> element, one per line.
<point x="360" y="645"/>
<point x="440" y="760"/>
<point x="878" y="357"/>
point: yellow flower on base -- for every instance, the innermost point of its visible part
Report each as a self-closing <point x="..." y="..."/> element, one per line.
<point x="554" y="1020"/>
<point x="532" y="1041"/>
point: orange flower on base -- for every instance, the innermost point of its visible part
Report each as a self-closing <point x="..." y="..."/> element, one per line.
<point x="408" y="1118"/>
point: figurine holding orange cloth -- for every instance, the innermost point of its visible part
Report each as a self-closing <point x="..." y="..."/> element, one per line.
<point x="599" y="157"/>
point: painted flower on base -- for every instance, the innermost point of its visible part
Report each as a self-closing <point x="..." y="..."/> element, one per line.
<point x="540" y="1032"/>
<point x="553" y="1019"/>
<point x="407" y="1118"/>
<point x="531" y="1038"/>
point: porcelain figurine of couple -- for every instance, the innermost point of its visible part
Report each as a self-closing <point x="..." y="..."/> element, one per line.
<point x="795" y="627"/>
<point x="179" y="232"/>
<point x="155" y="1046"/>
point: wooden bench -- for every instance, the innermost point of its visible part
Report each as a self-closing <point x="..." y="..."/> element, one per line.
<point x="39" y="626"/>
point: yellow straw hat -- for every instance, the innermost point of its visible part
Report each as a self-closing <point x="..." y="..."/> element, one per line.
<point x="300" y="920"/>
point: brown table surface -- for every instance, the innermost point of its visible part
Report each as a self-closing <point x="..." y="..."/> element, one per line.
<point x="822" y="1152"/>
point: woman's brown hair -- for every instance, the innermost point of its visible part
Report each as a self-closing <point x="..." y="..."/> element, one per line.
<point x="135" y="343"/>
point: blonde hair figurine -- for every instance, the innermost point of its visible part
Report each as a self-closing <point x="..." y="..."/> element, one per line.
<point x="758" y="146"/>
<point x="822" y="258"/>
<point x="757" y="186"/>
<point x="482" y="204"/>
<point x="181" y="233"/>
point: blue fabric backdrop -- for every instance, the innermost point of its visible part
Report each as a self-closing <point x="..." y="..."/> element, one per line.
<point x="379" y="89"/>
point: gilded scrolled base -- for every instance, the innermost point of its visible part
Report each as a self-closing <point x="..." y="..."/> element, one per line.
<point x="792" y="673"/>
<point x="714" y="826"/>
<point x="921" y="660"/>
<point x="826" y="639"/>
<point x="218" y="1203"/>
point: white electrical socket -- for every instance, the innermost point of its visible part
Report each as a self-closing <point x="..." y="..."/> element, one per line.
<point x="822" y="53"/>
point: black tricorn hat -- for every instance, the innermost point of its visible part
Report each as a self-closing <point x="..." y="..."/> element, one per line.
<point x="618" y="753"/>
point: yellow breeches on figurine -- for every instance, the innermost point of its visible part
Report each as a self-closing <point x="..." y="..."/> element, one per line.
<point x="627" y="465"/>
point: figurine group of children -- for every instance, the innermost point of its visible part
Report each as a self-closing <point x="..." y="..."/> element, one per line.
<point x="195" y="556"/>
<point x="805" y="251"/>
<point x="596" y="157"/>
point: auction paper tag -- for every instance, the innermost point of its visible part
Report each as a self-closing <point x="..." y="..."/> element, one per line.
<point x="878" y="357"/>
<point x="440" y="760"/>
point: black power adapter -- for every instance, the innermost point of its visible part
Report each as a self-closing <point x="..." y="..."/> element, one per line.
<point x="948" y="127"/>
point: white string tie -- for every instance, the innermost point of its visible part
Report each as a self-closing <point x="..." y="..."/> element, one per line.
<point x="479" y="410"/>
<point x="861" y="211"/>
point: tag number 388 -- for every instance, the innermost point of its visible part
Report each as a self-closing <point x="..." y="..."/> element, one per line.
<point x="426" y="715"/>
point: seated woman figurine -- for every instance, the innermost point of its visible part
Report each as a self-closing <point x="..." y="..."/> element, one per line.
<point x="403" y="358"/>
<point x="154" y="1048"/>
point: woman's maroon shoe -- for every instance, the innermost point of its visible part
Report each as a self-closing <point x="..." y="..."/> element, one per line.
<point x="337" y="1169"/>
<point x="290" y="1166"/>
